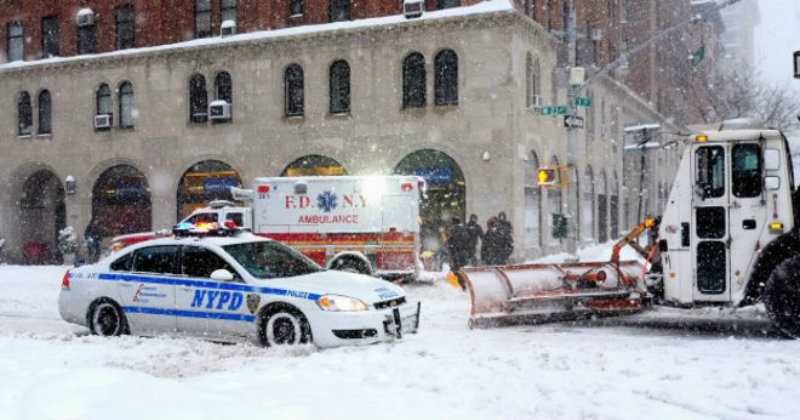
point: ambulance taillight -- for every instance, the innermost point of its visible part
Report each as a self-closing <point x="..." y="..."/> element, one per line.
<point x="65" y="281"/>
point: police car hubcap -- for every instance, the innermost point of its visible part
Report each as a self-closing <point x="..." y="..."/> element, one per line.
<point x="283" y="329"/>
<point x="106" y="319"/>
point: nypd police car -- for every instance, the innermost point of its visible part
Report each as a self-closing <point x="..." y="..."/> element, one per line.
<point x="232" y="287"/>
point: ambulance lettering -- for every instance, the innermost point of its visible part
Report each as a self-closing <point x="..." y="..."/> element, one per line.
<point x="214" y="299"/>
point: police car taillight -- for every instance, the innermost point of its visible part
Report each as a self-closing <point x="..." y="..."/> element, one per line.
<point x="65" y="281"/>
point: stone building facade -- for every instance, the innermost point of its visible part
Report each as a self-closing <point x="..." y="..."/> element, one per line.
<point x="479" y="149"/>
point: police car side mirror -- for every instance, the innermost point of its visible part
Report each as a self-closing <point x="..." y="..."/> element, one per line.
<point x="221" y="275"/>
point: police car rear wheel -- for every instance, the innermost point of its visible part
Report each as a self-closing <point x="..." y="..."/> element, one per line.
<point x="284" y="328"/>
<point x="107" y="320"/>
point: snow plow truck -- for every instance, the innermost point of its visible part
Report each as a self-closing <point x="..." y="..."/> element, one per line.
<point x="728" y="237"/>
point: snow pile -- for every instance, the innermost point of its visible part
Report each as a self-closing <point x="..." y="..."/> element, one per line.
<point x="51" y="370"/>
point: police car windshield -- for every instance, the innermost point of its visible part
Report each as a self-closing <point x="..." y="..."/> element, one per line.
<point x="270" y="260"/>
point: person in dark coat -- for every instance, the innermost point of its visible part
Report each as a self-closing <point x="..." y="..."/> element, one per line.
<point x="93" y="237"/>
<point x="506" y="231"/>
<point x="457" y="247"/>
<point x="475" y="233"/>
<point x="491" y="242"/>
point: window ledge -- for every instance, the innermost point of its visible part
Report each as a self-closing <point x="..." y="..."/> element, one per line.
<point x="294" y="119"/>
<point x="446" y="107"/>
<point x="339" y="115"/>
<point x="44" y="135"/>
<point x="24" y="136"/>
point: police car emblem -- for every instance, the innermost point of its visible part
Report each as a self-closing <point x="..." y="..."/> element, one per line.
<point x="253" y="299"/>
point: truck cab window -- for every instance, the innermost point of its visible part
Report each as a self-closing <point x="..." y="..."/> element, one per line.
<point x="746" y="182"/>
<point x="710" y="179"/>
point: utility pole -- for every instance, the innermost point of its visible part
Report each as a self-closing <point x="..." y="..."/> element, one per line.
<point x="571" y="202"/>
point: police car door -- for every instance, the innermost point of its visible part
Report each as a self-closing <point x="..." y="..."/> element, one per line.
<point x="710" y="236"/>
<point x="208" y="307"/>
<point x="148" y="295"/>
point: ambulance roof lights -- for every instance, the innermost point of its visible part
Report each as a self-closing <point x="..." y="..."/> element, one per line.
<point x="701" y="138"/>
<point x="218" y="204"/>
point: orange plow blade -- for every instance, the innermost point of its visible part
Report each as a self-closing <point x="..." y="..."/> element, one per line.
<point x="533" y="293"/>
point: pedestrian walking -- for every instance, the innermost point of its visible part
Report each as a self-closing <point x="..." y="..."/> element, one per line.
<point x="457" y="247"/>
<point x="475" y="233"/>
<point x="506" y="231"/>
<point x="93" y="237"/>
<point x="491" y="242"/>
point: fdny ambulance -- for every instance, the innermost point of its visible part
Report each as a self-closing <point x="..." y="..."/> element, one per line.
<point x="361" y="224"/>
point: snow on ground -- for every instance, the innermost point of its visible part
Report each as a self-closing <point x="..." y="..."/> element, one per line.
<point x="51" y="370"/>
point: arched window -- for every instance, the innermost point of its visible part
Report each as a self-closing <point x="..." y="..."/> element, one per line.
<point x="294" y="96"/>
<point x="339" y="10"/>
<point x="126" y="105"/>
<point x="103" y="100"/>
<point x="24" y="114"/>
<point x="198" y="98"/>
<point x="295" y="8"/>
<point x="533" y="203"/>
<point x="223" y="85"/>
<point x="45" y="113"/>
<point x="414" y="81"/>
<point x="340" y="87"/>
<point x="446" y="81"/>
<point x="202" y="18"/>
<point x="446" y="4"/>
<point x="587" y="207"/>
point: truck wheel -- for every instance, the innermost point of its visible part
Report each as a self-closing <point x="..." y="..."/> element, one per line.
<point x="106" y="319"/>
<point x="284" y="325"/>
<point x="782" y="297"/>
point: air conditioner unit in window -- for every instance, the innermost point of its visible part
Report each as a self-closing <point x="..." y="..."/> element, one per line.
<point x="538" y="101"/>
<point x="413" y="8"/>
<point x="219" y="110"/>
<point x="227" y="28"/>
<point x="85" y="17"/>
<point x="102" y="121"/>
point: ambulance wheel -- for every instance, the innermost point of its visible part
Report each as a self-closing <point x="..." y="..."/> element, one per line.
<point x="351" y="265"/>
<point x="782" y="297"/>
<point x="107" y="319"/>
<point x="283" y="325"/>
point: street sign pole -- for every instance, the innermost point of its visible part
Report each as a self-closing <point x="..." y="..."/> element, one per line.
<point x="570" y="204"/>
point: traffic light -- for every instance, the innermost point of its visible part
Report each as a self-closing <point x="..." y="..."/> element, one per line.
<point x="548" y="177"/>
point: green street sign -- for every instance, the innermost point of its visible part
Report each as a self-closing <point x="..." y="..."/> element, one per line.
<point x="552" y="110"/>
<point x="584" y="102"/>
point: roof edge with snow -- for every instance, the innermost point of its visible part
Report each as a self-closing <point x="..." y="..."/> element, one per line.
<point x="482" y="9"/>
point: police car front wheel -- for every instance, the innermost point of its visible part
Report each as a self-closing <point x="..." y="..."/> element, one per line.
<point x="284" y="327"/>
<point x="107" y="320"/>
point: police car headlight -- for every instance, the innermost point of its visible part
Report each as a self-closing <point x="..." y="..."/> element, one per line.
<point x="338" y="303"/>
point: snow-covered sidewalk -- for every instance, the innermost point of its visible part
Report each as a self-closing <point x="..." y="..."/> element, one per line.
<point x="51" y="370"/>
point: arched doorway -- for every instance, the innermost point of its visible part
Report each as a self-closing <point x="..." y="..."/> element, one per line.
<point x="533" y="203"/>
<point x="204" y="182"/>
<point x="554" y="199"/>
<point x="613" y="204"/>
<point x="121" y="202"/>
<point x="314" y="165"/>
<point x="446" y="197"/>
<point x="587" y="206"/>
<point x="602" y="209"/>
<point x="42" y="214"/>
